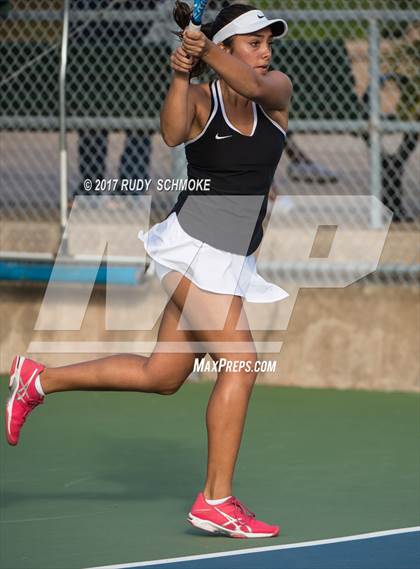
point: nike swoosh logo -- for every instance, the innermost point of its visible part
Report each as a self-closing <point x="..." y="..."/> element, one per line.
<point x="258" y="16"/>
<point x="222" y="137"/>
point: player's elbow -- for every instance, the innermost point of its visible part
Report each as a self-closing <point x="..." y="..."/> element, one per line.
<point x="171" y="134"/>
<point x="170" y="139"/>
<point x="275" y="96"/>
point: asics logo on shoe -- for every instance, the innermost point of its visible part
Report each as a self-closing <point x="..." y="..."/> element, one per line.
<point x="218" y="137"/>
<point x="22" y="392"/>
<point x="237" y="523"/>
<point x="24" y="389"/>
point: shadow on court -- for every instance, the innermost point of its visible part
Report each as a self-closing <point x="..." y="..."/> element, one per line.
<point x="137" y="469"/>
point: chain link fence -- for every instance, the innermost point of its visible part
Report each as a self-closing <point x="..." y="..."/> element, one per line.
<point x="353" y="127"/>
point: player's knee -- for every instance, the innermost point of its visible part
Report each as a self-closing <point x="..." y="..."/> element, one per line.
<point x="245" y="370"/>
<point x="167" y="390"/>
<point x="250" y="373"/>
<point x="250" y="378"/>
<point x="169" y="386"/>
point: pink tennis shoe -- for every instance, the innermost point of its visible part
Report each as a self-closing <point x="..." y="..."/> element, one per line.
<point x="231" y="518"/>
<point x="23" y="396"/>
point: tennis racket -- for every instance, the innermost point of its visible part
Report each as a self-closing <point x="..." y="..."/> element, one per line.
<point x="198" y="10"/>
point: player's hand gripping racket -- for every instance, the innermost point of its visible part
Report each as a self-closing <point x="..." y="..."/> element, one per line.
<point x="197" y="14"/>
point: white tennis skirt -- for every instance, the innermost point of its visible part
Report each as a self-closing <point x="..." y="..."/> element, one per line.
<point x="209" y="268"/>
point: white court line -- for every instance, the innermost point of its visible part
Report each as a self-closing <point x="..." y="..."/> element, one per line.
<point x="262" y="549"/>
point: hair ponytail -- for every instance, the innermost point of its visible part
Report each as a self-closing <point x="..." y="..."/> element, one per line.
<point x="182" y="15"/>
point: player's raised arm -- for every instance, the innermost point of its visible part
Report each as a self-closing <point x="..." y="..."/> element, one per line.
<point x="272" y="90"/>
<point x="178" y="110"/>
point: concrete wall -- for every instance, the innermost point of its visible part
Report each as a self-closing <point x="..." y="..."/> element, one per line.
<point x="362" y="336"/>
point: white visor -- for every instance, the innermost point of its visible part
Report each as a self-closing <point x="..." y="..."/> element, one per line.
<point x="249" y="22"/>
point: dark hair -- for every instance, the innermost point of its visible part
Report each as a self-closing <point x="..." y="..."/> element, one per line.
<point x="182" y="15"/>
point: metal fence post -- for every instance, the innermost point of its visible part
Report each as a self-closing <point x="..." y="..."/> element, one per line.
<point x="63" y="139"/>
<point x="374" y="121"/>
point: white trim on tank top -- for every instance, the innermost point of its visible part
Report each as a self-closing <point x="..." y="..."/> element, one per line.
<point x="254" y="112"/>
<point x="274" y="122"/>
<point x="211" y="117"/>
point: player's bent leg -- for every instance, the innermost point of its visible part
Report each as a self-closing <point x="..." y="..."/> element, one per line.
<point x="127" y="372"/>
<point x="165" y="374"/>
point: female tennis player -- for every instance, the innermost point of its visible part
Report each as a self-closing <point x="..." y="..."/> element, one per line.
<point x="234" y="132"/>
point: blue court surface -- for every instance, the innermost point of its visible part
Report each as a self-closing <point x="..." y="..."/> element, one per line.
<point x="393" y="549"/>
<point x="129" y="275"/>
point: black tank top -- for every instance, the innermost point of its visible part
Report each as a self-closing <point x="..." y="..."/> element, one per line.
<point x="240" y="169"/>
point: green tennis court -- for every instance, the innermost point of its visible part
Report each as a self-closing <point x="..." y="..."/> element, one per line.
<point x="108" y="478"/>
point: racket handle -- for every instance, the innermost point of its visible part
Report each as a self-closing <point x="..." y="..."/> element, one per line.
<point x="193" y="27"/>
